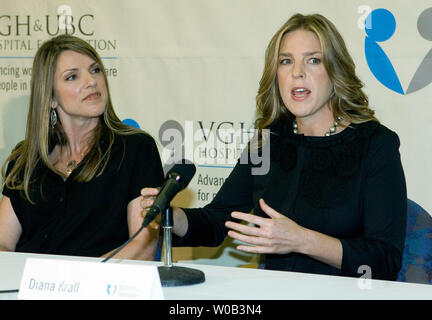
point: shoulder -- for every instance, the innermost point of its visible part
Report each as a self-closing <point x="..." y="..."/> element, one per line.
<point x="137" y="141"/>
<point x="384" y="135"/>
<point x="383" y="144"/>
<point x="127" y="148"/>
<point x="382" y="138"/>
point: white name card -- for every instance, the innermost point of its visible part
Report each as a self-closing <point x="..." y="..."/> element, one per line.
<point x="46" y="279"/>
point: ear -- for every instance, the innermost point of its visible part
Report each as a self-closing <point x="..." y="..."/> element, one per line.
<point x="54" y="103"/>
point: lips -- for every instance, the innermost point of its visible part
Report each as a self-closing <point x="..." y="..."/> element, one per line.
<point x="92" y="96"/>
<point x="300" y="93"/>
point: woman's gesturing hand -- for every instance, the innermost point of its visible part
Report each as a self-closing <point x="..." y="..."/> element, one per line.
<point x="276" y="234"/>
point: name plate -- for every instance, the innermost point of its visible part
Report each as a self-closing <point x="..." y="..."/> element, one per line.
<point x="46" y="279"/>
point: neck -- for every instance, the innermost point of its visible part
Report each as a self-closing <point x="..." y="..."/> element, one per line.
<point x="79" y="137"/>
<point x="316" y="124"/>
<point x="314" y="128"/>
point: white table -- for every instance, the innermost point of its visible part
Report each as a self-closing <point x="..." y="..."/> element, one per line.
<point x="228" y="283"/>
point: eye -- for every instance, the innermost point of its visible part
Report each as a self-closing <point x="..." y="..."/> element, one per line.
<point x="314" y="60"/>
<point x="285" y="61"/>
<point x="71" y="77"/>
<point x="96" y="69"/>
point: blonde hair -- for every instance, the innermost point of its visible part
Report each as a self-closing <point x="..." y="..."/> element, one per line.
<point x="41" y="137"/>
<point x="348" y="101"/>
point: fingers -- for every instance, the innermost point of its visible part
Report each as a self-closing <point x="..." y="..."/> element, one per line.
<point x="254" y="236"/>
<point x="253" y="249"/>
<point x="155" y="224"/>
<point x="146" y="204"/>
<point x="248" y="218"/>
<point x="269" y="210"/>
<point x="247" y="238"/>
<point x="245" y="229"/>
<point x="255" y="244"/>
<point x="148" y="196"/>
<point x="261" y="237"/>
<point x="149" y="192"/>
<point x="260" y="221"/>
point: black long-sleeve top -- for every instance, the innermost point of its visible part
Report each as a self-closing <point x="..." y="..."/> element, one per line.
<point x="350" y="186"/>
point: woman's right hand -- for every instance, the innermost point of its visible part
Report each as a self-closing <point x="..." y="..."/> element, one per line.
<point x="148" y="196"/>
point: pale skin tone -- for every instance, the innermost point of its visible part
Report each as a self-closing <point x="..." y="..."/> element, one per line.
<point x="300" y="67"/>
<point x="80" y="97"/>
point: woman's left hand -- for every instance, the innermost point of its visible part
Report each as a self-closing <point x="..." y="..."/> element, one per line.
<point x="276" y="234"/>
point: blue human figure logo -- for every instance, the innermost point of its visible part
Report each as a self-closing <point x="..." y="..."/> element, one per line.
<point x="423" y="75"/>
<point x="380" y="26"/>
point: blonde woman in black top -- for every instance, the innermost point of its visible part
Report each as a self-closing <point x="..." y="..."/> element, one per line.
<point x="334" y="200"/>
<point x="73" y="185"/>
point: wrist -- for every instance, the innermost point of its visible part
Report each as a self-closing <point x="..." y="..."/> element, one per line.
<point x="322" y="247"/>
<point x="306" y="240"/>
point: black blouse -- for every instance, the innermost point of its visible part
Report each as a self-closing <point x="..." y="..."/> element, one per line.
<point x="350" y="186"/>
<point x="86" y="218"/>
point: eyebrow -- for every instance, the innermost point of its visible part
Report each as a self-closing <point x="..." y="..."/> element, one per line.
<point x="305" y="54"/>
<point x="75" y="69"/>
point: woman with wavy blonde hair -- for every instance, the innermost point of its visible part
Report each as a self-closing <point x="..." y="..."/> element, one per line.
<point x="347" y="101"/>
<point x="72" y="185"/>
<point x="334" y="198"/>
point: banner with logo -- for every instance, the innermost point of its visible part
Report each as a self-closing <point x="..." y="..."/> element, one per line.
<point x="187" y="72"/>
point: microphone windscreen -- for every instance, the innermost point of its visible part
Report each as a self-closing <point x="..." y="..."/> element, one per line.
<point x="185" y="169"/>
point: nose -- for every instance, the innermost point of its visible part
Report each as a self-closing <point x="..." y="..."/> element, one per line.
<point x="298" y="71"/>
<point x="90" y="80"/>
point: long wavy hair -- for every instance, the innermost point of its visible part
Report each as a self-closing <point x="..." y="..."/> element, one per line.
<point x="41" y="137"/>
<point x="348" y="101"/>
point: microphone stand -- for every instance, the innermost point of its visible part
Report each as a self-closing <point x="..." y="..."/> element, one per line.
<point x="170" y="275"/>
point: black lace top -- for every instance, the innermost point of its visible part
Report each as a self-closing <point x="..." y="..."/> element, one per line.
<point x="350" y="186"/>
<point x="333" y="161"/>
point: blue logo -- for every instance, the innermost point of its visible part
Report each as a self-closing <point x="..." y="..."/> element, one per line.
<point x="111" y="289"/>
<point x="131" y="123"/>
<point x="380" y="26"/>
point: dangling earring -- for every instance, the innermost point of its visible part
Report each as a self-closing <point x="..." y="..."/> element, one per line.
<point x="53" y="118"/>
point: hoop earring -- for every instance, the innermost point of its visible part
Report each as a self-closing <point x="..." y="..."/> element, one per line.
<point x="53" y="118"/>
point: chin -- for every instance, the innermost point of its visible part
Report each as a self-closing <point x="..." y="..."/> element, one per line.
<point x="300" y="112"/>
<point x="96" y="110"/>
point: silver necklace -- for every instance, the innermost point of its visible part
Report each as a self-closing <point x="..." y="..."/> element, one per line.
<point x="331" y="130"/>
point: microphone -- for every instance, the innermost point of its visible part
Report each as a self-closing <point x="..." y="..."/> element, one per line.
<point x="177" y="178"/>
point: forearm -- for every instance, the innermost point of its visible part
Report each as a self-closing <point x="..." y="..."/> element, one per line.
<point x="181" y="223"/>
<point x="3" y="248"/>
<point x="322" y="247"/>
<point x="141" y="248"/>
<point x="199" y="227"/>
<point x="280" y="235"/>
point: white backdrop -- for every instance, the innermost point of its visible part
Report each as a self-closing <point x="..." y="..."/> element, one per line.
<point x="197" y="64"/>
